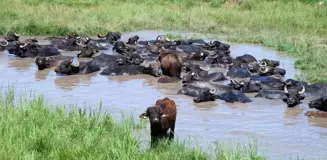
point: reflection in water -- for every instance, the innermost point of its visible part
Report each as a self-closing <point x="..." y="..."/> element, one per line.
<point x="293" y="112"/>
<point x="21" y="65"/>
<point x="42" y="75"/>
<point x="318" y="122"/>
<point x="73" y="81"/>
<point x="280" y="131"/>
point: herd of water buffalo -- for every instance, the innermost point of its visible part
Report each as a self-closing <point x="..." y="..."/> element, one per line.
<point x="189" y="61"/>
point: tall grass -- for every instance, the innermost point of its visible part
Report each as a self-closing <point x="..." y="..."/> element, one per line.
<point x="32" y="129"/>
<point x="296" y="27"/>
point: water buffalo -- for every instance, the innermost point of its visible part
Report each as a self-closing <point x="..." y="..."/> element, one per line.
<point x="130" y="58"/>
<point x="33" y="50"/>
<point x="133" y="40"/>
<point x="110" y="37"/>
<point x="271" y="94"/>
<point x="162" y="117"/>
<point x="88" y="50"/>
<point x="246" y="58"/>
<point x="269" y="82"/>
<point x="104" y="60"/>
<point x="216" y="45"/>
<point x="200" y="94"/>
<point x="171" y="65"/>
<point x="269" y="71"/>
<point x="12" y="36"/>
<point x="48" y="62"/>
<point x="122" y="48"/>
<point x="269" y="63"/>
<point x="194" y="66"/>
<point x="70" y="44"/>
<point x="236" y="72"/>
<point x="233" y="96"/>
<point x="315" y="90"/>
<point x="67" y="67"/>
<point x="246" y="86"/>
<point x="319" y="104"/>
<point x="212" y="77"/>
<point x="219" y="59"/>
<point x="291" y="97"/>
<point x="116" y="70"/>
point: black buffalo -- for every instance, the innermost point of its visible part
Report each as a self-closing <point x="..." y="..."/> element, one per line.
<point x="246" y="86"/>
<point x="110" y="37"/>
<point x="133" y="40"/>
<point x="130" y="58"/>
<point x="319" y="104"/>
<point x="315" y="90"/>
<point x="104" y="60"/>
<point x="48" y="62"/>
<point x="116" y="70"/>
<point x="233" y="96"/>
<point x="291" y="97"/>
<point x="212" y="77"/>
<point x="237" y="72"/>
<point x="67" y="67"/>
<point x="199" y="94"/>
<point x="12" y="36"/>
<point x="33" y="50"/>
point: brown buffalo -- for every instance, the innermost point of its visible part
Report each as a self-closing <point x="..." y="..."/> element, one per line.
<point x="170" y="63"/>
<point x="162" y="117"/>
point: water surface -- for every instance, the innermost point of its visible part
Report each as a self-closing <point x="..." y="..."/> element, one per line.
<point x="280" y="131"/>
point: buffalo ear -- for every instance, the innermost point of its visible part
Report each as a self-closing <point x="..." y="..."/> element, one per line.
<point x="144" y="116"/>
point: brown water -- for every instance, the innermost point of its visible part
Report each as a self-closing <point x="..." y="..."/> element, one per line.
<point x="281" y="132"/>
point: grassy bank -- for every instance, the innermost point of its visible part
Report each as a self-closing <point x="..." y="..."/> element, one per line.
<point x="32" y="129"/>
<point x="298" y="27"/>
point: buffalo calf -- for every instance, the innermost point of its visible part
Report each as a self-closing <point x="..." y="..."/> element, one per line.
<point x="162" y="117"/>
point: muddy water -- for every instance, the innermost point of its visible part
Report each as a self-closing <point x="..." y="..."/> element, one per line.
<point x="280" y="132"/>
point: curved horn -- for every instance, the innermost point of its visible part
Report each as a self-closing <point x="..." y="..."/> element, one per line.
<point x="4" y="45"/>
<point x="80" y="43"/>
<point x="75" y="65"/>
<point x="150" y="44"/>
<point x="302" y="91"/>
<point x="263" y="63"/>
<point x="234" y="81"/>
<point x="101" y="35"/>
<point x="264" y="71"/>
<point x="285" y="89"/>
<point x="25" y="44"/>
<point x="207" y="68"/>
<point x="17" y="35"/>
<point x="213" y="90"/>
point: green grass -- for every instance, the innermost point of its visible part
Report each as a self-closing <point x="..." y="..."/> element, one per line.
<point x="295" y="27"/>
<point x="30" y="128"/>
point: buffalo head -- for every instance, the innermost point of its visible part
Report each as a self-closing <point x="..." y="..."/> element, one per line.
<point x="155" y="114"/>
<point x="205" y="95"/>
<point x="133" y="40"/>
<point x="67" y="67"/>
<point x="43" y="62"/>
<point x="12" y="36"/>
<point x="153" y="69"/>
<point x="293" y="96"/>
